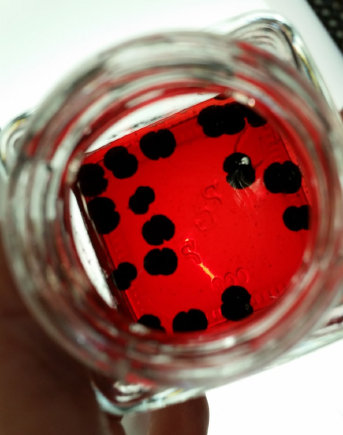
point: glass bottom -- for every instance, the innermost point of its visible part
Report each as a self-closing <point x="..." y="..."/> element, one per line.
<point x="132" y="399"/>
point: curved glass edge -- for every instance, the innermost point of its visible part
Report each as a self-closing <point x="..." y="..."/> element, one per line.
<point x="10" y="136"/>
<point x="128" y="403"/>
<point x="272" y="32"/>
<point x="330" y="331"/>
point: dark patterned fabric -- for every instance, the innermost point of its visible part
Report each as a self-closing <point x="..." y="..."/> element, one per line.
<point x="330" y="13"/>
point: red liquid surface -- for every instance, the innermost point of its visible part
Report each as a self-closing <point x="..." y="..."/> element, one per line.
<point x="225" y="246"/>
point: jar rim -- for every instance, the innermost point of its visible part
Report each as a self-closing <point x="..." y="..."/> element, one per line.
<point x="50" y="140"/>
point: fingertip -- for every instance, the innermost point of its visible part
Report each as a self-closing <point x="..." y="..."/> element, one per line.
<point x="188" y="418"/>
<point x="10" y="301"/>
<point x="114" y="425"/>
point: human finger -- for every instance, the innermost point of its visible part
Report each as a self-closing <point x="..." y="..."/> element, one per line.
<point x="42" y="389"/>
<point x="188" y="418"/>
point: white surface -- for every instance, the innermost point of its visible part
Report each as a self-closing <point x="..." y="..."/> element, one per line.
<point x="300" y="398"/>
<point x="40" y="41"/>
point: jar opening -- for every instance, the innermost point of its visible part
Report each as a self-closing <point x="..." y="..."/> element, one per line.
<point x="180" y="185"/>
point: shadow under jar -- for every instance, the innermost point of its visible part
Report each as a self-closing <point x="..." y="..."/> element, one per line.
<point x="174" y="208"/>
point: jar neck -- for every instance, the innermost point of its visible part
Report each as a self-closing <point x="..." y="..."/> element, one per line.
<point x="80" y="111"/>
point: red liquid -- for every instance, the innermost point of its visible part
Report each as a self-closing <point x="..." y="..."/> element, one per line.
<point x="224" y="244"/>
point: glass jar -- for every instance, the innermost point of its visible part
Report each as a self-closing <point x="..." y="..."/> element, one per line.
<point x="258" y="60"/>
